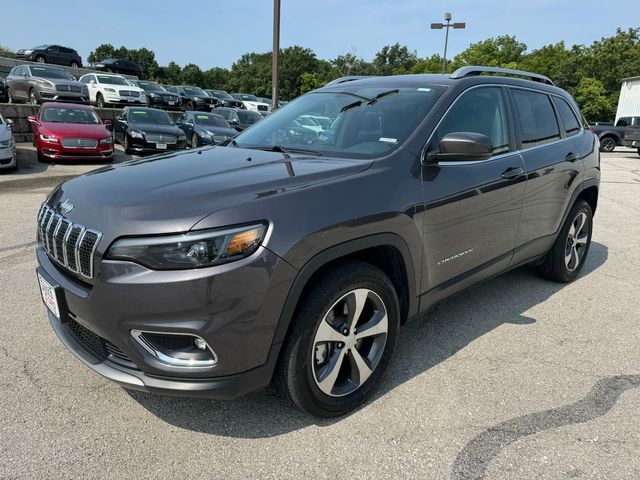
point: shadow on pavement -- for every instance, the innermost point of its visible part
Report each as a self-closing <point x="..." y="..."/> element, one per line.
<point x="423" y="344"/>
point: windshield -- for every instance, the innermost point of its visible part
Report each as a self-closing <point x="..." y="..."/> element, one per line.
<point x="112" y="80"/>
<point x="50" y="72"/>
<point x="70" y="115"/>
<point x="248" y="117"/>
<point x="195" y="91"/>
<point x="40" y="47"/>
<point x="220" y="94"/>
<point x="358" y="122"/>
<point x="247" y="97"/>
<point x="210" y="120"/>
<point x="150" y="86"/>
<point x="155" y="117"/>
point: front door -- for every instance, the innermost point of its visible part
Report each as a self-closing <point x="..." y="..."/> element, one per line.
<point x="472" y="209"/>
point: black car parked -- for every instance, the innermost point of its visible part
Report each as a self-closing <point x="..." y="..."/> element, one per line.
<point x="213" y="272"/>
<point x="51" y="54"/>
<point x="225" y="99"/>
<point x="205" y="128"/>
<point x="158" y="96"/>
<point x="144" y="130"/>
<point x="115" y="65"/>
<point x="194" y="98"/>
<point x="247" y="118"/>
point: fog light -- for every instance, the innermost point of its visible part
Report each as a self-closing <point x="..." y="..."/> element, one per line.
<point x="200" y="343"/>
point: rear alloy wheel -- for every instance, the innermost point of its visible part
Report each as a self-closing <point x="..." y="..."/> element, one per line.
<point x="100" y="100"/>
<point x="569" y="252"/>
<point x="607" y="144"/>
<point x="194" y="141"/>
<point x="73" y="65"/>
<point x="40" y="59"/>
<point x="342" y="340"/>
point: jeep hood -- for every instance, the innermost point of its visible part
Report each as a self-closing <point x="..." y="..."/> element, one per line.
<point x="172" y="192"/>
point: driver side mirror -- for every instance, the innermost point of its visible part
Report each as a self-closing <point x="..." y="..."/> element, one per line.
<point x="462" y="147"/>
<point x="108" y="124"/>
<point x="32" y="119"/>
<point x="9" y="122"/>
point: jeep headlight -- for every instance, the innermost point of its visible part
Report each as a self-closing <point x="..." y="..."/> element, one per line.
<point x="136" y="134"/>
<point x="197" y="249"/>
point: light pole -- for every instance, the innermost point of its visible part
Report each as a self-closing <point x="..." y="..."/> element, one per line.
<point x="447" y="26"/>
<point x="275" y="56"/>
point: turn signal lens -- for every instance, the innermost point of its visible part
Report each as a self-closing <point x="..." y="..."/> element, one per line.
<point x="243" y="241"/>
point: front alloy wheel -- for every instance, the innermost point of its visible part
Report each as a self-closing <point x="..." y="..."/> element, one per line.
<point x="349" y="342"/>
<point x="341" y="340"/>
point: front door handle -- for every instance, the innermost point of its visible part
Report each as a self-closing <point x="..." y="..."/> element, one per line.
<point x="571" y="157"/>
<point x="512" y="172"/>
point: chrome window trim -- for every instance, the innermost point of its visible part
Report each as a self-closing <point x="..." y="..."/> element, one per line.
<point x="517" y="151"/>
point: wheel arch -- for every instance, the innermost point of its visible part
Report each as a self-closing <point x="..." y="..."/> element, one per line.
<point x="611" y="133"/>
<point x="387" y="251"/>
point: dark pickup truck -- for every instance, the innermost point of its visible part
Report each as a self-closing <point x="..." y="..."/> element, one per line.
<point x="632" y="137"/>
<point x="612" y="136"/>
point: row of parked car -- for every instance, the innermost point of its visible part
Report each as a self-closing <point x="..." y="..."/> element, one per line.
<point x="40" y="83"/>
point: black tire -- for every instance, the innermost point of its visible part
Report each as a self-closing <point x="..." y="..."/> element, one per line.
<point x="298" y="358"/>
<point x="607" y="144"/>
<point x="41" y="59"/>
<point x="191" y="107"/>
<point x="125" y="144"/>
<point x="555" y="267"/>
<point x="74" y="65"/>
<point x="100" y="101"/>
<point x="9" y="97"/>
<point x="195" y="143"/>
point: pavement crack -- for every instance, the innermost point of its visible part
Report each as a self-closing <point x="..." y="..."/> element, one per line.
<point x="474" y="459"/>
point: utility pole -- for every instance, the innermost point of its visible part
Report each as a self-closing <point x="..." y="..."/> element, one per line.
<point x="275" y="56"/>
<point x="447" y="26"/>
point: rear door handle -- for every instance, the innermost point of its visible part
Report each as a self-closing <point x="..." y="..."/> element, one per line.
<point x="571" y="157"/>
<point x="512" y="172"/>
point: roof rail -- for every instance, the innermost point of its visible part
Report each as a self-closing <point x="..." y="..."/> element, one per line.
<point x="476" y="70"/>
<point x="347" y="79"/>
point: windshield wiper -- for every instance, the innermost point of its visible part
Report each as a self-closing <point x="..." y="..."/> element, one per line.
<point x="368" y="101"/>
<point x="285" y="150"/>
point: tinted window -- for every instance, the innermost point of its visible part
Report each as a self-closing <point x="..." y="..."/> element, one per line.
<point x="210" y="120"/>
<point x="70" y="115"/>
<point x="536" y="117"/>
<point x="109" y="80"/>
<point x="569" y="120"/>
<point x="156" y="117"/>
<point x="480" y="110"/>
<point x="50" y="72"/>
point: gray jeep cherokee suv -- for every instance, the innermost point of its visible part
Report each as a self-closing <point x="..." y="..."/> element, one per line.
<point x="296" y="254"/>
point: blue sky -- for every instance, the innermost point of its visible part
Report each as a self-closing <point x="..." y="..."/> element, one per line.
<point x="215" y="33"/>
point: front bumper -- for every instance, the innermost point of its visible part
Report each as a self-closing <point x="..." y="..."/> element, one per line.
<point x="58" y="152"/>
<point x="7" y="157"/>
<point x="631" y="143"/>
<point x="234" y="308"/>
<point x="55" y="96"/>
<point x="142" y="146"/>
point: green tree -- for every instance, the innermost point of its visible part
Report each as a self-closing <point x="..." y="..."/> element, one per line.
<point x="503" y="51"/>
<point x="142" y="56"/>
<point x="432" y="64"/>
<point x="170" y="74"/>
<point x="102" y="52"/>
<point x="394" y="60"/>
<point x="594" y="103"/>
<point x="192" y="75"/>
<point x="350" y="64"/>
<point x="6" y="52"/>
<point x="217" y="78"/>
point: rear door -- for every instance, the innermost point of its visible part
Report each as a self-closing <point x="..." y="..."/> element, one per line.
<point x="19" y="83"/>
<point x="554" y="167"/>
<point x="472" y="208"/>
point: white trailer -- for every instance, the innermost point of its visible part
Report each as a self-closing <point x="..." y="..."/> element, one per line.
<point x="629" y="102"/>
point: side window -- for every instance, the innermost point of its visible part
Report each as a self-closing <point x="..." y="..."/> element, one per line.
<point x="623" y="122"/>
<point x="569" y="120"/>
<point x="480" y="110"/>
<point x="538" y="123"/>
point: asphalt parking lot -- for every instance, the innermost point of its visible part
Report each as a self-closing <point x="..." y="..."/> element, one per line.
<point x="516" y="378"/>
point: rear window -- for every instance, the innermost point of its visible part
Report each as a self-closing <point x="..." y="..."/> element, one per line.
<point x="568" y="117"/>
<point x="537" y="120"/>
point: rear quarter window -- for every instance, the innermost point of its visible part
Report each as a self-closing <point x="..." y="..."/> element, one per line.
<point x="570" y="122"/>
<point x="536" y="118"/>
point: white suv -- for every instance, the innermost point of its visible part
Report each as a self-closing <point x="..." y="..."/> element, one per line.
<point x="252" y="103"/>
<point x="106" y="89"/>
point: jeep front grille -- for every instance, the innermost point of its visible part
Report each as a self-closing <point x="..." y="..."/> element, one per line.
<point x="68" y="244"/>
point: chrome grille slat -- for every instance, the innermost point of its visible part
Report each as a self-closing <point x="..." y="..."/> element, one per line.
<point x="70" y="245"/>
<point x="159" y="138"/>
<point x="79" y="143"/>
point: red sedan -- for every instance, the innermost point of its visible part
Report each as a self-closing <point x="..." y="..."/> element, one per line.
<point x="64" y="131"/>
